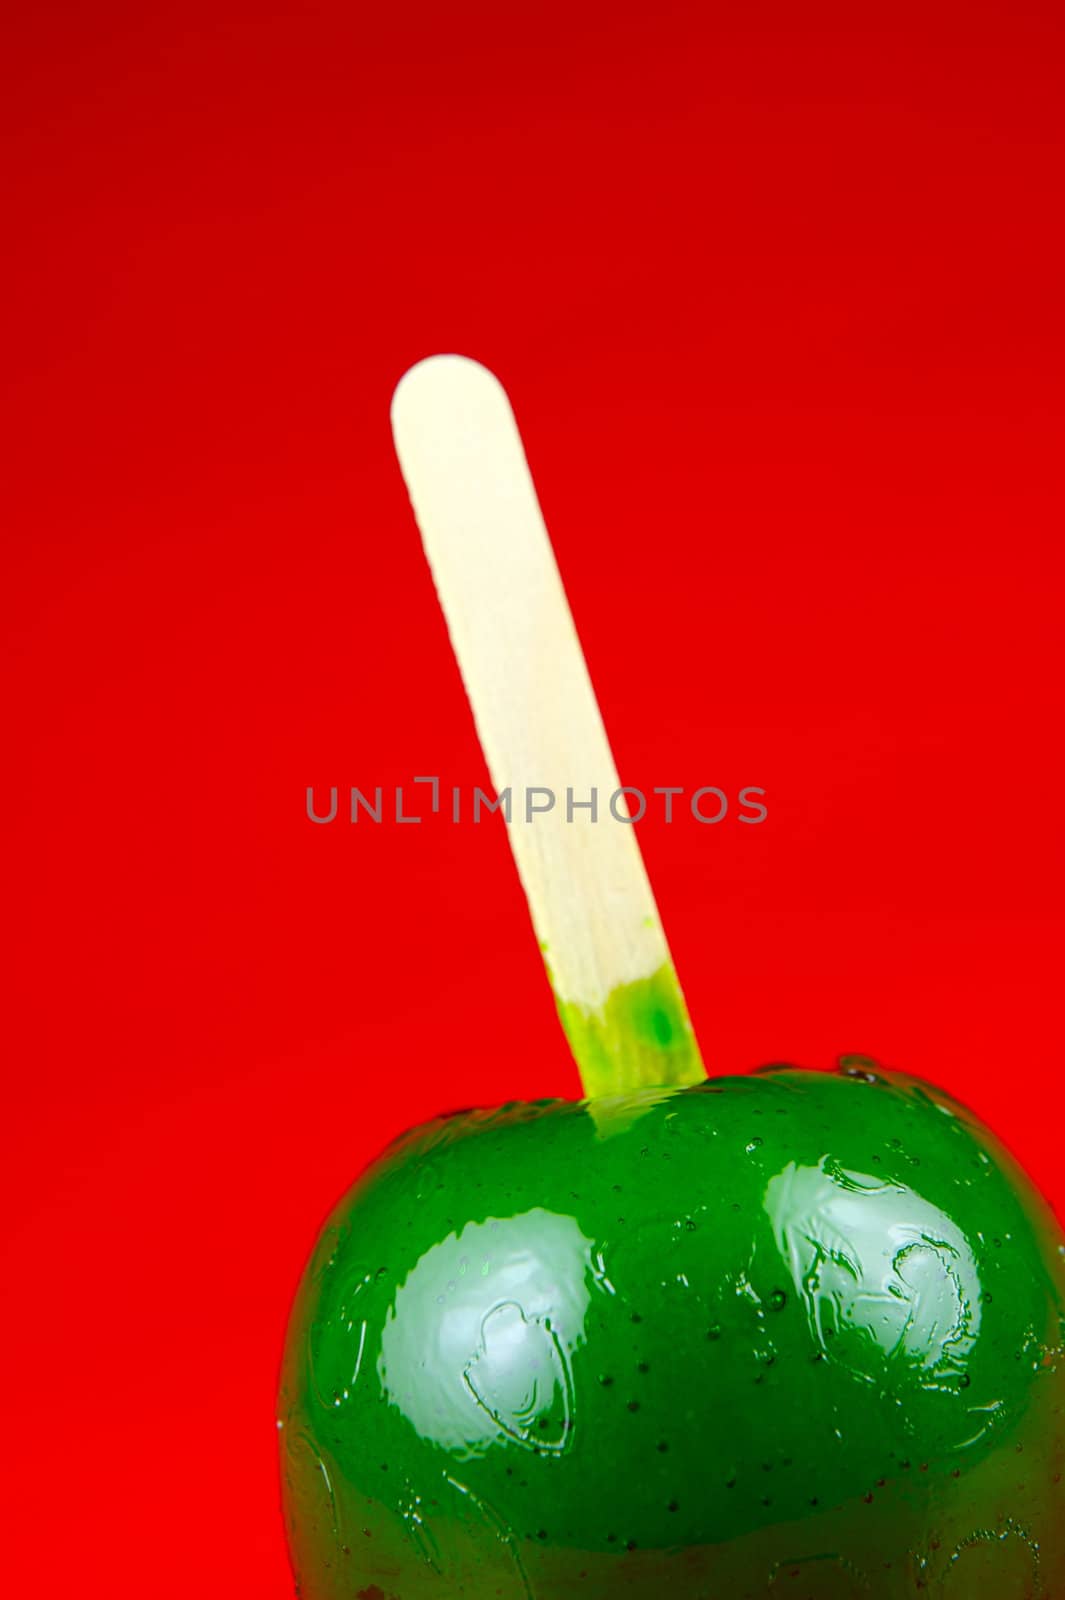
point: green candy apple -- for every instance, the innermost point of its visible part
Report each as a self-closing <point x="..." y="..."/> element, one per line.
<point x="794" y="1334"/>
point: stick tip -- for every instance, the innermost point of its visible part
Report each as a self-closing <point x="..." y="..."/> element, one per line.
<point x="440" y="378"/>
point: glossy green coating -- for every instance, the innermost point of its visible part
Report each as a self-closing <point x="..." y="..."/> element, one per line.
<point x="794" y="1334"/>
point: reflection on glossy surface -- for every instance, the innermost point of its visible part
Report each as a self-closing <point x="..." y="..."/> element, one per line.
<point x="794" y="1333"/>
<point x="502" y="1305"/>
<point x="875" y="1264"/>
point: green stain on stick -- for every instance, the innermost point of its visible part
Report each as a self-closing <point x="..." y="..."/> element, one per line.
<point x="640" y="1038"/>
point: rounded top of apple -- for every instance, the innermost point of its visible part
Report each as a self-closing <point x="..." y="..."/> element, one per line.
<point x="682" y="1318"/>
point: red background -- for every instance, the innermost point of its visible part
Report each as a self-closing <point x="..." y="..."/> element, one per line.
<point x="777" y="293"/>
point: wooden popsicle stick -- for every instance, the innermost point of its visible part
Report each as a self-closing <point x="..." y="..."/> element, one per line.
<point x="540" y="728"/>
